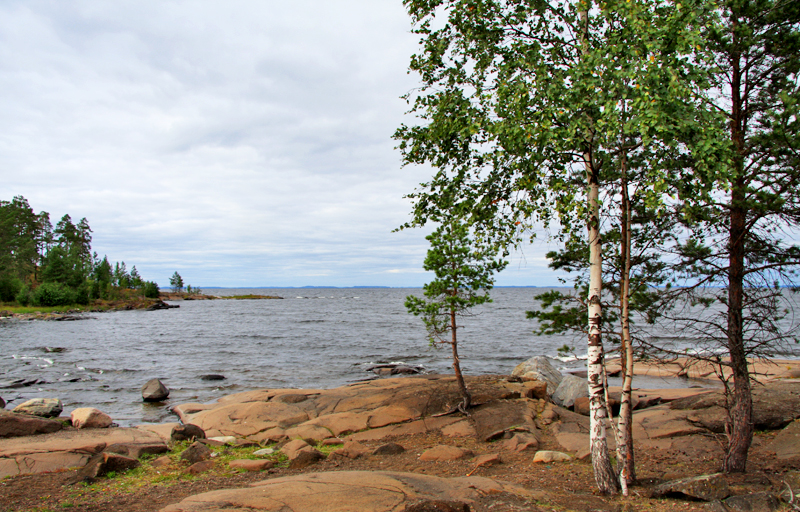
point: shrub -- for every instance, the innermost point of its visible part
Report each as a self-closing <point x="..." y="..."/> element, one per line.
<point x="53" y="294"/>
<point x="150" y="290"/>
<point x="24" y="296"/>
<point x="9" y="288"/>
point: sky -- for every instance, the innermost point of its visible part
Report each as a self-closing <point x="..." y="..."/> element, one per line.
<point x="242" y="143"/>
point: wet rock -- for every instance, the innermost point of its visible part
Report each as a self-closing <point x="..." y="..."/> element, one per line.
<point x="539" y="368"/>
<point x="547" y="456"/>
<point x="196" y="452"/>
<point x="43" y="407"/>
<point x="18" y="425"/>
<point x="161" y="305"/>
<point x="388" y="449"/>
<point x="101" y="464"/>
<point x="444" y="452"/>
<point x="212" y="376"/>
<point x="154" y="391"/>
<point x="570" y="388"/>
<point x="89" y="417"/>
<point x="705" y="488"/>
<point x="188" y="432"/>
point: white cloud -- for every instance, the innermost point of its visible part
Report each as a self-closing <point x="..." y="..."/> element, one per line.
<point x="243" y="143"/>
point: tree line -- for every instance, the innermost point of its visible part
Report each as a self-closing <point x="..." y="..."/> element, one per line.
<point x="43" y="265"/>
<point x="655" y="141"/>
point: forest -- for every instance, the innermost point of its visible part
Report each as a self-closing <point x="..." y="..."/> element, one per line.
<point x="43" y="265"/>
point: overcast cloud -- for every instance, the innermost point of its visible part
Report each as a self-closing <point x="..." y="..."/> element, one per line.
<point x="242" y="143"/>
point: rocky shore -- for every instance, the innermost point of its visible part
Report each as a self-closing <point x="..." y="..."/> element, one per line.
<point x="386" y="445"/>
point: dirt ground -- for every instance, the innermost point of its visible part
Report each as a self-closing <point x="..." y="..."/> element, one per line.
<point x="560" y="486"/>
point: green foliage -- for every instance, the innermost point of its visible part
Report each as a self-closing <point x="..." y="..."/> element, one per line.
<point x="176" y="282"/>
<point x="463" y="269"/>
<point x="9" y="287"/>
<point x="53" y="294"/>
<point x="150" y="289"/>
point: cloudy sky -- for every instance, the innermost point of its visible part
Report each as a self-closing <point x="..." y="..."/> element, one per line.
<point x="241" y="143"/>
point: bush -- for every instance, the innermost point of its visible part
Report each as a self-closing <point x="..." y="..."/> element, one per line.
<point x="9" y="288"/>
<point x="53" y="294"/>
<point x="24" y="296"/>
<point x="150" y="290"/>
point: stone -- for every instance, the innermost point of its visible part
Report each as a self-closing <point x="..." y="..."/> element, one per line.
<point x="43" y="407"/>
<point x="212" y="376"/>
<point x="352" y="450"/>
<point x="388" y="449"/>
<point x="161" y="462"/>
<point x="340" y="491"/>
<point x="548" y="456"/>
<point x="305" y="458"/>
<point x="309" y="433"/>
<point x="251" y="465"/>
<point x="582" y="405"/>
<point x="756" y="502"/>
<point x="520" y="442"/>
<point x="264" y="452"/>
<point x="196" y="452"/>
<point x="2" y="403"/>
<point x="17" y="425"/>
<point x="438" y="506"/>
<point x="154" y="391"/>
<point x="536" y="389"/>
<point x="444" y="452"/>
<point x="461" y="429"/>
<point x="89" y="417"/>
<point x="290" y="398"/>
<point x="331" y="441"/>
<point x="188" y="432"/>
<point x="223" y="440"/>
<point x="494" y="419"/>
<point x="488" y="459"/>
<point x="101" y="464"/>
<point x="786" y="444"/>
<point x="248" y="419"/>
<point x="539" y="368"/>
<point x="136" y="450"/>
<point x="705" y="488"/>
<point x="200" y="467"/>
<point x="570" y="388"/>
<point x="291" y="448"/>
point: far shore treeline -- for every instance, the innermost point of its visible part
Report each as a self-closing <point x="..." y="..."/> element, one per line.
<point x="42" y="265"/>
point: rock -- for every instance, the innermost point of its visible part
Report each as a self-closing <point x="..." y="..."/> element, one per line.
<point x="582" y="405"/>
<point x="89" y="417"/>
<point x="463" y="428"/>
<point x="264" y="452"/>
<point x="547" y="456"/>
<point x="388" y="449"/>
<point x="787" y="443"/>
<point x="154" y="391"/>
<point x="43" y="407"/>
<point x="212" y="376"/>
<point x="444" y="452"/>
<point x="187" y="432"/>
<point x="136" y="450"/>
<point x="535" y="389"/>
<point x="161" y="462"/>
<point x="494" y="419"/>
<point x="305" y="458"/>
<point x="290" y="398"/>
<point x="309" y="433"/>
<point x="291" y="448"/>
<point x="251" y="465"/>
<point x="438" y="506"/>
<point x="705" y="487"/>
<point x="17" y="425"/>
<point x="222" y="440"/>
<point x="520" y="442"/>
<point x="539" y="368"/>
<point x="200" y="467"/>
<point x="340" y="491"/>
<point x="352" y="450"/>
<point x="2" y="403"/>
<point x="332" y="441"/>
<point x="570" y="388"/>
<point x="196" y="452"/>
<point x="101" y="464"/>
<point x="756" y="502"/>
<point x="487" y="459"/>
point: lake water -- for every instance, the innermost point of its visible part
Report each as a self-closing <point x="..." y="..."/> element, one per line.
<point x="313" y="338"/>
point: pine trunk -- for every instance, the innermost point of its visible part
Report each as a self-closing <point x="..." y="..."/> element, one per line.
<point x="462" y="386"/>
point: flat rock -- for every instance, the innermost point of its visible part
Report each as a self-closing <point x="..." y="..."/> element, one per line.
<point x="352" y="450"/>
<point x="494" y="419"/>
<point x="136" y="450"/>
<point x="103" y="463"/>
<point x="313" y="433"/>
<point x="445" y="452"/>
<point x="201" y="467"/>
<point x="15" y="425"/>
<point x="786" y="444"/>
<point x="705" y="487"/>
<point x="488" y="459"/>
<point x="340" y="491"/>
<point x="463" y="428"/>
<point x="247" y="419"/>
<point x="755" y="502"/>
<point x="63" y="449"/>
<point x="44" y="407"/>
<point x="89" y="417"/>
<point x="520" y="442"/>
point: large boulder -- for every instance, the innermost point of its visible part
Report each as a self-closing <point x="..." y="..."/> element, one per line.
<point x="539" y="368"/>
<point x="154" y="391"/>
<point x="44" y="407"/>
<point x="705" y="487"/>
<point x="89" y="417"/>
<point x="18" y="425"/>
<point x="570" y="388"/>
